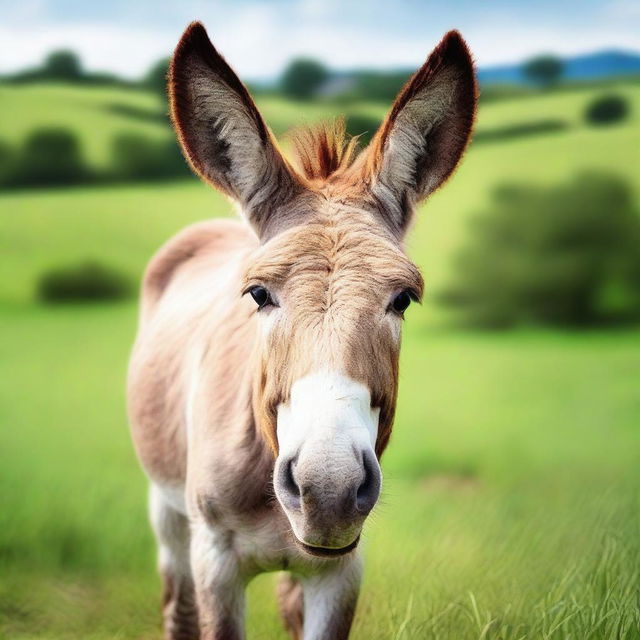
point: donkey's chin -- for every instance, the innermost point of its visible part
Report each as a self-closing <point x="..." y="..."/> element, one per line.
<point x="328" y="552"/>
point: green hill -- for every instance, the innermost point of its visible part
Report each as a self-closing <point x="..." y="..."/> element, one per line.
<point x="97" y="114"/>
<point x="124" y="225"/>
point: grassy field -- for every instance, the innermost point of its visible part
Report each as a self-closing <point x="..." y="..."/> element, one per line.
<point x="91" y="112"/>
<point x="98" y="114"/>
<point x="511" y="500"/>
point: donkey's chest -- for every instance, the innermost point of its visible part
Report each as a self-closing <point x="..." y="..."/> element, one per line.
<point x="268" y="547"/>
<point x="259" y="541"/>
<point x="261" y="544"/>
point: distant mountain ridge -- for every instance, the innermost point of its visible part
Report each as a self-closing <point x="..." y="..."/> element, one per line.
<point x="590" y="66"/>
<point x="384" y="84"/>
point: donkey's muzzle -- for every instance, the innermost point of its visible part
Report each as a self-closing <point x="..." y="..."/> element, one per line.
<point x="327" y="498"/>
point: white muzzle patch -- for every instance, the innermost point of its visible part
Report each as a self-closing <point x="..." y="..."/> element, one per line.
<point x="324" y="408"/>
<point x="327" y="477"/>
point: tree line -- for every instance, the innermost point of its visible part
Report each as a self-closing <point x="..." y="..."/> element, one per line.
<point x="302" y="79"/>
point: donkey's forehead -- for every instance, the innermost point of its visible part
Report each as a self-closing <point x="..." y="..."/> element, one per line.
<point x="333" y="243"/>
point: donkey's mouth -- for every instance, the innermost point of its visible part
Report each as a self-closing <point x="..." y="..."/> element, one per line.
<point x="328" y="552"/>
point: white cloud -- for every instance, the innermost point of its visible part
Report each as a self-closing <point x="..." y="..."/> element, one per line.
<point x="623" y="9"/>
<point x="127" y="51"/>
<point x="499" y="45"/>
<point x="258" y="42"/>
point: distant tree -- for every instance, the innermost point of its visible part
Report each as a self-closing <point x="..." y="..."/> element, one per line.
<point x="544" y="71"/>
<point x="564" y="255"/>
<point x="379" y="85"/>
<point x="50" y="156"/>
<point x="62" y="65"/>
<point x="302" y="78"/>
<point x="607" y="110"/>
<point x="156" y="78"/>
<point x="7" y="162"/>
<point x="136" y="157"/>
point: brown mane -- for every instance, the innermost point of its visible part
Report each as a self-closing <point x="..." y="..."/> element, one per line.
<point x="323" y="149"/>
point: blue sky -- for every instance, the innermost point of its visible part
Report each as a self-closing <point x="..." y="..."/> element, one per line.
<point x="259" y="37"/>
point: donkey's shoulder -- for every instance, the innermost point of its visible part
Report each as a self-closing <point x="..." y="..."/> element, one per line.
<point x="215" y="238"/>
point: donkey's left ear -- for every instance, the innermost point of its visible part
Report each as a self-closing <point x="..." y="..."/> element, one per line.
<point x="222" y="133"/>
<point x="426" y="132"/>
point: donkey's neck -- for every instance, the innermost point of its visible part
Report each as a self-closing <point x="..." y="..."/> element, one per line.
<point x="226" y="421"/>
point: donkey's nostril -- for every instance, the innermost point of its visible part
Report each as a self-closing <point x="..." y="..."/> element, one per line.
<point x="368" y="491"/>
<point x="289" y="480"/>
<point x="290" y="491"/>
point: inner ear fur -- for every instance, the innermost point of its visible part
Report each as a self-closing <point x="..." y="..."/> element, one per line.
<point x="423" y="137"/>
<point x="221" y="132"/>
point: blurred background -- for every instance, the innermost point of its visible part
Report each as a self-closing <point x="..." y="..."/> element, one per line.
<point x="511" y="503"/>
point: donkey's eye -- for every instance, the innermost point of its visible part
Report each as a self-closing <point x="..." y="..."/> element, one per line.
<point x="400" y="303"/>
<point x="261" y="296"/>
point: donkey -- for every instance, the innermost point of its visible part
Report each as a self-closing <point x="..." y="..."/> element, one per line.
<point x="263" y="381"/>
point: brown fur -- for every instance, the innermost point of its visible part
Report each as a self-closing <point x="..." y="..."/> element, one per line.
<point x="179" y="609"/>
<point x="327" y="244"/>
<point x="215" y="117"/>
<point x="291" y="605"/>
<point x="324" y="266"/>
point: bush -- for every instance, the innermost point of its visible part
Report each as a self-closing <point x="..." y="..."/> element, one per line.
<point x="567" y="255"/>
<point x="302" y="78"/>
<point x="544" y="71"/>
<point x="135" y="157"/>
<point x="86" y="281"/>
<point x="50" y="156"/>
<point x="156" y="79"/>
<point x="607" y="110"/>
<point x="7" y="163"/>
<point x="378" y="85"/>
<point x="508" y="132"/>
<point x="62" y="65"/>
<point x="363" y="126"/>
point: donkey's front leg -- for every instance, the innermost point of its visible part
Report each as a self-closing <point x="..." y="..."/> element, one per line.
<point x="330" y="600"/>
<point x="218" y="583"/>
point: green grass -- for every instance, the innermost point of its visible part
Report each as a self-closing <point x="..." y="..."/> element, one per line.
<point x="95" y="113"/>
<point x="511" y="500"/>
<point x="511" y="482"/>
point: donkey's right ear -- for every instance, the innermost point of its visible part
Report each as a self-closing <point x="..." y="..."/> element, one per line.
<point x="221" y="132"/>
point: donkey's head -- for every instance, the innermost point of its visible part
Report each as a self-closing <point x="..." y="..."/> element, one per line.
<point x="330" y="281"/>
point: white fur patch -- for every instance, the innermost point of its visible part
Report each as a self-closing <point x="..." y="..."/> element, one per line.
<point x="171" y="529"/>
<point x="325" y="407"/>
<point x="329" y="596"/>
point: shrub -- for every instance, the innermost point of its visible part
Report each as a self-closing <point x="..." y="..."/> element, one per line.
<point x="533" y="128"/>
<point x="544" y="71"/>
<point x="156" y="79"/>
<point x="85" y="281"/>
<point x="135" y="157"/>
<point x="7" y="163"/>
<point x="302" y="78"/>
<point x="567" y="255"/>
<point x="363" y="126"/>
<point x="607" y="110"/>
<point x="62" y="65"/>
<point x="50" y="156"/>
<point x="379" y="85"/>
